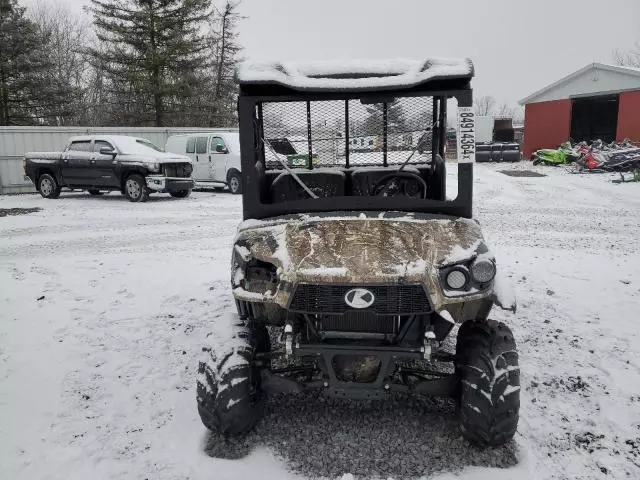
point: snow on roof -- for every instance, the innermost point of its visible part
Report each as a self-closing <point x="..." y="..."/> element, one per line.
<point x="592" y="66"/>
<point x="354" y="74"/>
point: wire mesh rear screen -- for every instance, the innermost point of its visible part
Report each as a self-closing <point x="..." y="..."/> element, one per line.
<point x="347" y="133"/>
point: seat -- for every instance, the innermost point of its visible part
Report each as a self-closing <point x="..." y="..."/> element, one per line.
<point x="363" y="179"/>
<point x="324" y="183"/>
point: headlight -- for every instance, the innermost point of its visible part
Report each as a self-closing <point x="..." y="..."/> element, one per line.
<point x="456" y="279"/>
<point x="483" y="270"/>
<point x="153" y="167"/>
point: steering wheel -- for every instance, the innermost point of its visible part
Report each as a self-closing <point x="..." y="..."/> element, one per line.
<point x="395" y="184"/>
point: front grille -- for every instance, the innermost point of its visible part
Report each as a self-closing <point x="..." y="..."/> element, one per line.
<point x="355" y="321"/>
<point x="389" y="299"/>
<point x="179" y="170"/>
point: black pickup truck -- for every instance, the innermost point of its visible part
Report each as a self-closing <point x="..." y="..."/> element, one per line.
<point x="131" y="165"/>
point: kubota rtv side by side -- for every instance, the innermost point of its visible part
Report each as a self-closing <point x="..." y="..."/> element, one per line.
<point x="358" y="261"/>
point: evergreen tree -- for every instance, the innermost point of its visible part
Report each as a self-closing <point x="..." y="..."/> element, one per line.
<point x="28" y="93"/>
<point x="152" y="52"/>
<point x="395" y="118"/>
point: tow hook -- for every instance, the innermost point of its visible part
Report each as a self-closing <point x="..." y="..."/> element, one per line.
<point x="429" y="344"/>
<point x="288" y="340"/>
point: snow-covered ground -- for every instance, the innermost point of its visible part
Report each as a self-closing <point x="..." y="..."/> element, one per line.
<point x="104" y="305"/>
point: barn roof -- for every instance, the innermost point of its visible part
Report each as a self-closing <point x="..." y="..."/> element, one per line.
<point x="593" y="79"/>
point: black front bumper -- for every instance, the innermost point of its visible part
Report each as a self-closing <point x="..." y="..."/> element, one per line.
<point x="160" y="183"/>
<point x="179" y="185"/>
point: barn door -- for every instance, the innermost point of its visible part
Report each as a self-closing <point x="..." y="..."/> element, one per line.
<point x="594" y="118"/>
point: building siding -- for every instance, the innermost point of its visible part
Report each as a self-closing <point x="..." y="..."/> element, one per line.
<point x="546" y="125"/>
<point x="629" y="116"/>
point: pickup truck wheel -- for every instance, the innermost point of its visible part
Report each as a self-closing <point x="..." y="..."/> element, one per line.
<point x="95" y="192"/>
<point x="235" y="183"/>
<point x="181" y="193"/>
<point x="135" y="189"/>
<point x="48" y="187"/>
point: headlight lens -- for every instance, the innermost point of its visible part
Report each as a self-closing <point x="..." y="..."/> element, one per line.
<point x="483" y="270"/>
<point x="154" y="167"/>
<point x="456" y="279"/>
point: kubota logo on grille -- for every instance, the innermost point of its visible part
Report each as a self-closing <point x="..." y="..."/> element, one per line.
<point x="359" y="298"/>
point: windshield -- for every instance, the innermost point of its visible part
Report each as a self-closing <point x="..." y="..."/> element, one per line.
<point x="353" y="159"/>
<point x="148" y="144"/>
<point x="137" y="146"/>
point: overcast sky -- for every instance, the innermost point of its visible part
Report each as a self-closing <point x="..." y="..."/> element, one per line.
<point x="518" y="46"/>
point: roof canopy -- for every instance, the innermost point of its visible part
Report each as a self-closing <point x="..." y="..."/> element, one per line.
<point x="355" y="75"/>
<point x="594" y="79"/>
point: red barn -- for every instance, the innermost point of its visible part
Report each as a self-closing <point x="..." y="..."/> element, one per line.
<point x="598" y="101"/>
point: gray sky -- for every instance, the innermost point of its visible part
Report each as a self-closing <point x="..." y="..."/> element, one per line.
<point x="518" y="46"/>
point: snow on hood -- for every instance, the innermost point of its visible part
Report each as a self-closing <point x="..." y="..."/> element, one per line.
<point x="355" y="74"/>
<point x="140" y="149"/>
<point x="357" y="250"/>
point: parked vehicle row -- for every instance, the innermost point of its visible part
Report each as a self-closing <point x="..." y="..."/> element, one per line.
<point x="137" y="167"/>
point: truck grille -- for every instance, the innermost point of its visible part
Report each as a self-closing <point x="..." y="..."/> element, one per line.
<point x="179" y="170"/>
<point x="389" y="299"/>
<point x="355" y="321"/>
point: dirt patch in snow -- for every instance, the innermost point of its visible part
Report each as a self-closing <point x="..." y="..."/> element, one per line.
<point x="400" y="437"/>
<point x="522" y="173"/>
<point x="5" y="212"/>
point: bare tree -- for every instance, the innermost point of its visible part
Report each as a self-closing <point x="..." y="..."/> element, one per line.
<point x="628" y="58"/>
<point x="518" y="115"/>
<point x="484" y="105"/>
<point x="225" y="52"/>
<point x="505" y="110"/>
<point x="67" y="36"/>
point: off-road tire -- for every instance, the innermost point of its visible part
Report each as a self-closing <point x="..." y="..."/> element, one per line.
<point x="235" y="183"/>
<point x="181" y="193"/>
<point x="489" y="396"/>
<point x="133" y="194"/>
<point x="230" y="400"/>
<point x="95" y="192"/>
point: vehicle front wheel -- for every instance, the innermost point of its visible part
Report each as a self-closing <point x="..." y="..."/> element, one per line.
<point x="135" y="189"/>
<point x="235" y="183"/>
<point x="181" y="193"/>
<point x="229" y="395"/>
<point x="95" y="192"/>
<point x="487" y="364"/>
<point x="48" y="186"/>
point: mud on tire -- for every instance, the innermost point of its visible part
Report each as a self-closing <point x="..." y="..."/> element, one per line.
<point x="489" y="401"/>
<point x="229" y="397"/>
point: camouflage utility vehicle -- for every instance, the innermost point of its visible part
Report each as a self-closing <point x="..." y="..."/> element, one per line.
<point x="359" y="262"/>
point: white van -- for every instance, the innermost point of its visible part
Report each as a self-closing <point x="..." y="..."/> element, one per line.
<point x="215" y="155"/>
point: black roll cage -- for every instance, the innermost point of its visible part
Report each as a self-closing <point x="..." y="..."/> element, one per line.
<point x="253" y="95"/>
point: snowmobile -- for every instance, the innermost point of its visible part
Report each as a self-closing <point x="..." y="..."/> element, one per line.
<point x="561" y="156"/>
<point x="349" y="276"/>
